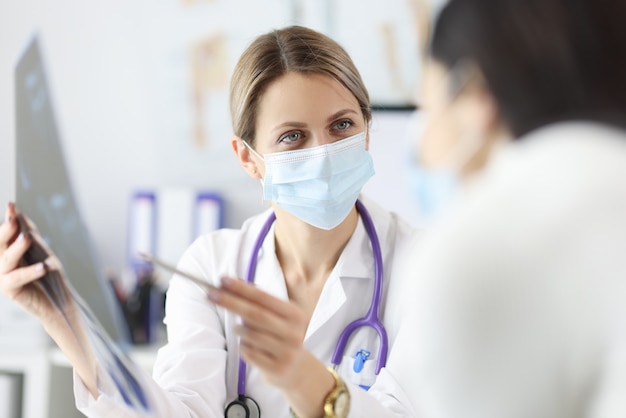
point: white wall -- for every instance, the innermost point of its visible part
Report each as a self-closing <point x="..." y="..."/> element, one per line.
<point x="101" y="87"/>
<point x="98" y="102"/>
<point x="392" y="137"/>
<point x="120" y="123"/>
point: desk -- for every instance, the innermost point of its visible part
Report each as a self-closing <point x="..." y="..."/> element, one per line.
<point x="34" y="366"/>
<point x="47" y="379"/>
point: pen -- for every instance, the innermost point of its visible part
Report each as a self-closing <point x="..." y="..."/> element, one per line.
<point x="202" y="283"/>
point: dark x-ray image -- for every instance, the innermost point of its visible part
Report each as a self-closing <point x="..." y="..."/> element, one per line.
<point x="44" y="192"/>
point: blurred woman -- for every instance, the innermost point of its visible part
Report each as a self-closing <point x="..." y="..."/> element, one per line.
<point x="519" y="304"/>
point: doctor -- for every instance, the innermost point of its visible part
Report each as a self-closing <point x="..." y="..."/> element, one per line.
<point x="293" y="278"/>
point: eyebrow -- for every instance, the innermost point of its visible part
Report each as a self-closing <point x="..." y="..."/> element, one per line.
<point x="304" y="125"/>
<point x="340" y="114"/>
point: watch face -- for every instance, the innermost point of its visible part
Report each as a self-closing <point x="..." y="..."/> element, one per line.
<point x="342" y="405"/>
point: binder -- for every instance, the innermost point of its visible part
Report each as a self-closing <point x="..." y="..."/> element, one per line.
<point x="142" y="228"/>
<point x="164" y="222"/>
<point x="208" y="213"/>
<point x="185" y="213"/>
<point x="175" y="208"/>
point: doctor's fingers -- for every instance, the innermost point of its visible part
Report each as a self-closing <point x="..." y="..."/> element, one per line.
<point x="269" y="354"/>
<point x="12" y="283"/>
<point x="287" y="332"/>
<point x="261" y="319"/>
<point x="251" y="293"/>
<point x="12" y="255"/>
<point x="9" y="228"/>
<point x="278" y="346"/>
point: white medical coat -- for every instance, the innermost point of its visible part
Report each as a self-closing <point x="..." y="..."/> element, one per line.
<point x="519" y="303"/>
<point x="196" y="372"/>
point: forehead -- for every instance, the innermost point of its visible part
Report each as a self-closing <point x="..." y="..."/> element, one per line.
<point x="304" y="98"/>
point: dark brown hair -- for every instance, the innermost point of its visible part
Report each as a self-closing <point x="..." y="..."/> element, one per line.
<point x="544" y="61"/>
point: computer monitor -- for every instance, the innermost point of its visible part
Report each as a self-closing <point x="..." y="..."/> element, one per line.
<point x="44" y="193"/>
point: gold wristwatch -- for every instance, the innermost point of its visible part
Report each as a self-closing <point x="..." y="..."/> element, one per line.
<point x="337" y="403"/>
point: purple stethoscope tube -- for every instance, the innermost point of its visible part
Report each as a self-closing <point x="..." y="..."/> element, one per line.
<point x="371" y="318"/>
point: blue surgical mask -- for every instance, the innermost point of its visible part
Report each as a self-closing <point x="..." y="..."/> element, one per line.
<point x="318" y="185"/>
<point x="432" y="189"/>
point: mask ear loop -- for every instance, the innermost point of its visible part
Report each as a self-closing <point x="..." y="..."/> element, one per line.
<point x="461" y="74"/>
<point x="256" y="154"/>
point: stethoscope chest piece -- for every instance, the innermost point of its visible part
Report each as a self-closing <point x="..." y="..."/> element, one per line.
<point x="243" y="407"/>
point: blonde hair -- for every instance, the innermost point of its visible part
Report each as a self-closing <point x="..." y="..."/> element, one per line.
<point x="291" y="49"/>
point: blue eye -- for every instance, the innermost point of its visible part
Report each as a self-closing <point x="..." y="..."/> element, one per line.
<point x="343" y="125"/>
<point x="290" y="137"/>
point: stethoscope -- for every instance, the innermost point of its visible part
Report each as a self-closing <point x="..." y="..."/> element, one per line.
<point x="246" y="407"/>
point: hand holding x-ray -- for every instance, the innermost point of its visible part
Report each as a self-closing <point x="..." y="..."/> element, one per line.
<point x="29" y="273"/>
<point x="32" y="276"/>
